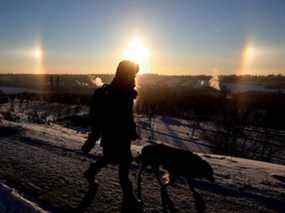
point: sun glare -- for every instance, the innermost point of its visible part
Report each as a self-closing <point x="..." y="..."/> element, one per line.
<point x="249" y="59"/>
<point x="37" y="53"/>
<point x="138" y="53"/>
<point x="249" y="53"/>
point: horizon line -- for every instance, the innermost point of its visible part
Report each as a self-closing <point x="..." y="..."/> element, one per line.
<point x="158" y="74"/>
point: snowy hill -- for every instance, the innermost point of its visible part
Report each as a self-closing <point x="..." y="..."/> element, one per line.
<point x="43" y="163"/>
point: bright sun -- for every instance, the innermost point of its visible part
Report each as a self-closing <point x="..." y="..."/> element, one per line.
<point x="137" y="53"/>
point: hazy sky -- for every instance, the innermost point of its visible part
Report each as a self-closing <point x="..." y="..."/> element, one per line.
<point x="182" y="37"/>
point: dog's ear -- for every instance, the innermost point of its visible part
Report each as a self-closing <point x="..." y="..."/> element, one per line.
<point x="210" y="175"/>
<point x="207" y="171"/>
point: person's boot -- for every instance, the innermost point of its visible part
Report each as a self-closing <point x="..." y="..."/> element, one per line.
<point x="90" y="177"/>
<point x="130" y="203"/>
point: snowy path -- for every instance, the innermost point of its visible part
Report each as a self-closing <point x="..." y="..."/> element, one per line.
<point x="44" y="164"/>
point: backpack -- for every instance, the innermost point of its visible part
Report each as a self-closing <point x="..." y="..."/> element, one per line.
<point x="98" y="104"/>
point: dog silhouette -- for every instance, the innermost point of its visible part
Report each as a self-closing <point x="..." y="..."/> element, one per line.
<point x="177" y="163"/>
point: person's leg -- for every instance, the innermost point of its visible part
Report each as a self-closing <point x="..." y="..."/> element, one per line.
<point x="125" y="182"/>
<point x="139" y="181"/>
<point x="98" y="165"/>
<point x="129" y="202"/>
<point x="94" y="168"/>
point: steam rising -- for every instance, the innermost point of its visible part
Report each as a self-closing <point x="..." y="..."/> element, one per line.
<point x="97" y="81"/>
<point x="214" y="82"/>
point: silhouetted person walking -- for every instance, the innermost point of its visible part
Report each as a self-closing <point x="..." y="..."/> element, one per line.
<point x="112" y="120"/>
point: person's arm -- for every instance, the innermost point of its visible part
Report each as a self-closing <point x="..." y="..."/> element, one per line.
<point x="93" y="136"/>
<point x="95" y="131"/>
<point x="133" y="127"/>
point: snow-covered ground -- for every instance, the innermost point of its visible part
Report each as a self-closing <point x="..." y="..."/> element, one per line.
<point x="239" y="87"/>
<point x="43" y="163"/>
<point x="173" y="131"/>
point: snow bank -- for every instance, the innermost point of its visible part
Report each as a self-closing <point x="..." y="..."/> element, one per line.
<point x="11" y="201"/>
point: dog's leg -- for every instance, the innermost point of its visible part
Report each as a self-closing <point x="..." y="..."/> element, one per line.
<point x="199" y="201"/>
<point x="163" y="189"/>
<point x="167" y="178"/>
<point x="171" y="181"/>
<point x="139" y="181"/>
<point x="165" y="200"/>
